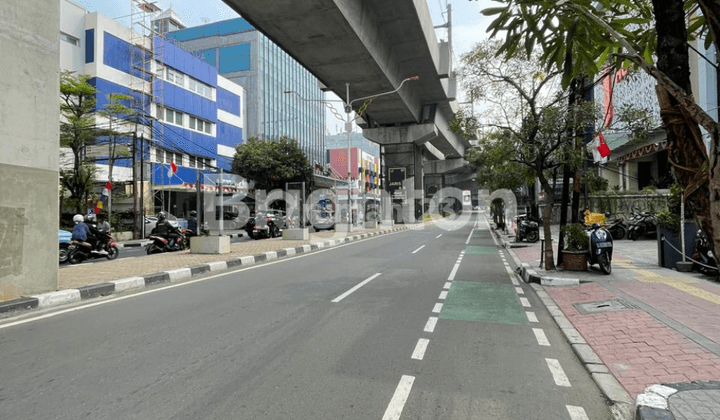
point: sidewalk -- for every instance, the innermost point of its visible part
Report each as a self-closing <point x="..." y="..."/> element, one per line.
<point x="86" y="281"/>
<point x="649" y="336"/>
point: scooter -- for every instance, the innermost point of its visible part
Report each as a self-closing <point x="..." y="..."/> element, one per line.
<point x="703" y="254"/>
<point x="79" y="251"/>
<point x="601" y="248"/>
<point x="616" y="227"/>
<point x="527" y="228"/>
<point x="644" y="225"/>
<point x="161" y="244"/>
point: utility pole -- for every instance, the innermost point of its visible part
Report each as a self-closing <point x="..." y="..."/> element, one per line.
<point x="135" y="186"/>
<point x="142" y="185"/>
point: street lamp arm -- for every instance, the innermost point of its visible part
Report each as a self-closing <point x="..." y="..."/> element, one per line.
<point x="411" y="78"/>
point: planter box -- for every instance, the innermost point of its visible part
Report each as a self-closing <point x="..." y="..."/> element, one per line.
<point x="122" y="236"/>
<point x="371" y="224"/>
<point x="210" y="244"/>
<point x="296" y="234"/>
<point x="669" y="245"/>
<point x="387" y="223"/>
<point x="575" y="260"/>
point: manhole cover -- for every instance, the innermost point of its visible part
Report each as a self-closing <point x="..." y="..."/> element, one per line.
<point x="602" y="306"/>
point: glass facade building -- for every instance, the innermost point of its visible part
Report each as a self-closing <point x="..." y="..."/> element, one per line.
<point x="247" y="57"/>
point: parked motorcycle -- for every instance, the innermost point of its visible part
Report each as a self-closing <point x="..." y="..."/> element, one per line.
<point x="161" y="244"/>
<point x="264" y="225"/>
<point x="644" y="225"/>
<point x="79" y="251"/>
<point x="617" y="227"/>
<point x="601" y="248"/>
<point x="703" y="254"/>
<point x="527" y="229"/>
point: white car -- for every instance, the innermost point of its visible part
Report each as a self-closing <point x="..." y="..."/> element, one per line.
<point x="151" y="221"/>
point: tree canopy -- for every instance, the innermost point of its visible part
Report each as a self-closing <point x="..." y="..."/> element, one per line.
<point x="271" y="163"/>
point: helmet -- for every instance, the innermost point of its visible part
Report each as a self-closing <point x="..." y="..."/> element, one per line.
<point x="161" y="216"/>
<point x="78" y="218"/>
<point x="193" y="213"/>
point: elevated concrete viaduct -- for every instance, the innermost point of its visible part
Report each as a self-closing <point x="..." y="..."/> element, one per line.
<point x="373" y="45"/>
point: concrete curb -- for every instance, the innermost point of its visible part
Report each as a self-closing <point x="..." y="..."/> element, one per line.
<point x="653" y="403"/>
<point x="62" y="297"/>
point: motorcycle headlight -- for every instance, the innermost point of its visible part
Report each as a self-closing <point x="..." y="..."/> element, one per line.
<point x="601" y="234"/>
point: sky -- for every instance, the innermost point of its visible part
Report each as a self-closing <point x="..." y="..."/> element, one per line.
<point x="469" y="25"/>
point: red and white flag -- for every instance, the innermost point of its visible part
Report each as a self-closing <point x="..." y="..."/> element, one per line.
<point x="603" y="148"/>
<point x="172" y="170"/>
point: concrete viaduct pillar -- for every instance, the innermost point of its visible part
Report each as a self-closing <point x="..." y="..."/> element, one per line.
<point x="405" y="149"/>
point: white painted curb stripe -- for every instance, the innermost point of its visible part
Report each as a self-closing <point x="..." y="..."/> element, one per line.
<point x="557" y="372"/>
<point x="179" y="274"/>
<point x="58" y="298"/>
<point x="420" y="348"/>
<point x="271" y="255"/>
<point x="430" y="326"/>
<point x="531" y="316"/>
<point x="289" y="251"/>
<point x="399" y="398"/>
<point x="129" y="283"/>
<point x="217" y="266"/>
<point x="576" y="413"/>
<point x="307" y="248"/>
<point x="540" y="337"/>
<point x="247" y="260"/>
<point x="418" y="249"/>
<point x="361" y="284"/>
<point x="437" y="308"/>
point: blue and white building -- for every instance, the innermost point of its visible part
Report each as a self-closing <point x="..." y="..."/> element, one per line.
<point x="191" y="116"/>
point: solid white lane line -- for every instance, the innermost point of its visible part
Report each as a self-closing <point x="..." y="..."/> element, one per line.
<point x="447" y="285"/>
<point x="469" y="236"/>
<point x="454" y="271"/>
<point x="420" y="348"/>
<point x="531" y="316"/>
<point x="576" y="413"/>
<point x="361" y="284"/>
<point x="557" y="372"/>
<point x="525" y="302"/>
<point x="443" y="295"/>
<point x="540" y="336"/>
<point x="418" y="249"/>
<point x="437" y="308"/>
<point x="438" y="236"/>
<point x="430" y="326"/>
<point x="397" y="403"/>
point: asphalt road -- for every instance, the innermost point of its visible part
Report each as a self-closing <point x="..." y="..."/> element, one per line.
<point x="419" y="324"/>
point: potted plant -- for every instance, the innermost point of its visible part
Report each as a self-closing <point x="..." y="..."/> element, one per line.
<point x="576" y="246"/>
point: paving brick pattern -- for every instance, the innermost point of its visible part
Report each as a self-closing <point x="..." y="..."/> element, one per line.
<point x="696" y="405"/>
<point x="639" y="350"/>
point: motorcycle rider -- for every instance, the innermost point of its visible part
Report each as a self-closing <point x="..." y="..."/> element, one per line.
<point x="80" y="231"/>
<point x="164" y="229"/>
<point x="192" y="223"/>
<point x="104" y="229"/>
<point x="95" y="235"/>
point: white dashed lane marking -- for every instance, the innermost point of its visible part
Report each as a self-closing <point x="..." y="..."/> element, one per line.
<point x="418" y="249"/>
<point x="519" y="291"/>
<point x="430" y="325"/>
<point x="397" y="403"/>
<point x="447" y="285"/>
<point x="557" y="372"/>
<point x="420" y="348"/>
<point x="443" y="295"/>
<point x="437" y="308"/>
<point x="531" y="316"/>
<point x="540" y="336"/>
<point x="576" y="413"/>
<point x="525" y="302"/>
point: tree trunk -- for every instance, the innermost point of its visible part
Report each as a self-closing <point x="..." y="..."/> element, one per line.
<point x="548" y="257"/>
<point x="686" y="149"/>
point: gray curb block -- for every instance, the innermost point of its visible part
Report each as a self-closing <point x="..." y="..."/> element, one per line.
<point x="62" y="297"/>
<point x="653" y="404"/>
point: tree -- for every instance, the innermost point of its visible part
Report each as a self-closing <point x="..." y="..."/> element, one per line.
<point x="117" y="114"/>
<point x="528" y="116"/>
<point x="581" y="35"/>
<point x="77" y="131"/>
<point x="272" y="163"/>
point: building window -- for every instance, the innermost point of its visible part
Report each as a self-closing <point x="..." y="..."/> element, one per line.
<point x="159" y="155"/>
<point x="175" y="77"/>
<point x="191" y="161"/>
<point x="168" y="157"/>
<point x="173" y="117"/>
<point x="200" y="125"/>
<point x="69" y="39"/>
<point x="159" y="112"/>
<point x="159" y="70"/>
